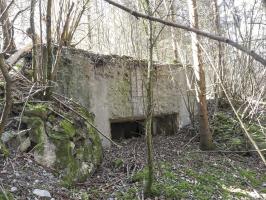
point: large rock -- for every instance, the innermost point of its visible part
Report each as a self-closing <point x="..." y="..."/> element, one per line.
<point x="7" y="136"/>
<point x="68" y="144"/>
<point x="41" y="193"/>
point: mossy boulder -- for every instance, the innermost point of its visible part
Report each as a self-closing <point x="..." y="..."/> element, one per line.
<point x="67" y="142"/>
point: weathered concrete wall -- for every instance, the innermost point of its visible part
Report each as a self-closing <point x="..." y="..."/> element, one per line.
<point x="113" y="87"/>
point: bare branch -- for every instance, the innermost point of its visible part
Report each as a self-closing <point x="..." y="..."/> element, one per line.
<point x="232" y="43"/>
<point x="6" y="9"/>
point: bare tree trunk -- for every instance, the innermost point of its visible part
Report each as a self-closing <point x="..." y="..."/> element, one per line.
<point x="61" y="43"/>
<point x="49" y="50"/>
<point x="205" y="133"/>
<point x="7" y="28"/>
<point x="220" y="55"/>
<point x="264" y="3"/>
<point x="34" y="41"/>
<point x="41" y="65"/>
<point x="173" y="35"/>
<point x="149" y="112"/>
<point x="8" y="94"/>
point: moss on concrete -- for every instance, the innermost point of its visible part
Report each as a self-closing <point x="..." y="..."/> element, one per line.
<point x="38" y="110"/>
<point x="35" y="116"/>
<point x="93" y="136"/>
<point x="68" y="128"/>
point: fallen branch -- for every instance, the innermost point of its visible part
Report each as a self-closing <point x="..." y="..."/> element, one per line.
<point x="224" y="151"/>
<point x="23" y="109"/>
<point x="19" y="54"/>
<point x="253" y="54"/>
<point x="185" y="145"/>
<point x="60" y="115"/>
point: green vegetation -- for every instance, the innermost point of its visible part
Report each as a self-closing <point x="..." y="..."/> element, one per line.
<point x="92" y="193"/>
<point x="252" y="177"/>
<point x="3" y="149"/>
<point x="118" y="163"/>
<point x="229" y="135"/>
<point x="208" y="182"/>
<point x="78" y="161"/>
<point x="4" y="195"/>
<point x="77" y="145"/>
<point x="68" y="128"/>
<point x="34" y="118"/>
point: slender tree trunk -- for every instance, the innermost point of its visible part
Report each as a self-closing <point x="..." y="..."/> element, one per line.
<point x="8" y="93"/>
<point x="149" y="112"/>
<point x="173" y="35"/>
<point x="7" y="28"/>
<point x="205" y="133"/>
<point x="49" y="49"/>
<point x="34" y="41"/>
<point x="61" y="43"/>
<point x="218" y="89"/>
<point x="49" y="40"/>
<point x="41" y="65"/>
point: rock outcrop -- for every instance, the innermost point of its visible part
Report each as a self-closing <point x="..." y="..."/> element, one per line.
<point x="62" y="140"/>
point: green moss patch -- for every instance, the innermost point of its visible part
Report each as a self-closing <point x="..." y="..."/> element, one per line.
<point x="68" y="128"/>
<point x="229" y="135"/>
<point x="77" y="145"/>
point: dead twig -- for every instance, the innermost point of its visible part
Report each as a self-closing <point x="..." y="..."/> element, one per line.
<point x="24" y="106"/>
<point x="185" y="145"/>
<point x="62" y="116"/>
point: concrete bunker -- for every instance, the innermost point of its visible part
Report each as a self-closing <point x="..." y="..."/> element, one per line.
<point x="113" y="88"/>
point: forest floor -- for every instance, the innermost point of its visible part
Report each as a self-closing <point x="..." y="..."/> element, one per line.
<point x="182" y="171"/>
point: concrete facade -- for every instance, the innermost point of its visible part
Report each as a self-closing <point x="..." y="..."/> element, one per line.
<point x="113" y="88"/>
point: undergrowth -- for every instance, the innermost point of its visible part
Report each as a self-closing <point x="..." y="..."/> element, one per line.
<point x="211" y="182"/>
<point x="229" y="135"/>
